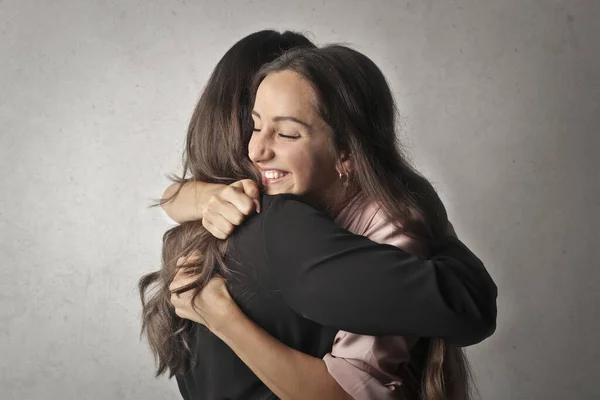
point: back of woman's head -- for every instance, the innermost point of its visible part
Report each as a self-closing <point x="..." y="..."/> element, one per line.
<point x="355" y="100"/>
<point x="215" y="152"/>
<point x="220" y="128"/>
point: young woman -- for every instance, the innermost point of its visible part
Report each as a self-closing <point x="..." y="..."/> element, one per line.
<point x="292" y="147"/>
<point x="453" y="286"/>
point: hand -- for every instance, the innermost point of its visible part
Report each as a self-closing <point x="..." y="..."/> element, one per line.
<point x="228" y="208"/>
<point x="211" y="307"/>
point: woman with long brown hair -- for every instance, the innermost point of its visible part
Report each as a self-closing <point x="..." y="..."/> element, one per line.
<point x="452" y="288"/>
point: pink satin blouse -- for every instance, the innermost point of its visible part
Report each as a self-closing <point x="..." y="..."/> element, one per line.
<point x="367" y="367"/>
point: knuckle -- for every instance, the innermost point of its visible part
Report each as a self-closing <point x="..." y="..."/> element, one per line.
<point x="251" y="186"/>
<point x="247" y="207"/>
<point x="211" y="205"/>
<point x="212" y="200"/>
<point x="228" y="191"/>
<point x="211" y="230"/>
<point x="253" y="192"/>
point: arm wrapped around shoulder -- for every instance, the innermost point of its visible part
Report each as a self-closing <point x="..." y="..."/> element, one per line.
<point x="349" y="282"/>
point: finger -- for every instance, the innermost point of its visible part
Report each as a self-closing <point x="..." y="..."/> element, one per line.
<point x="245" y="204"/>
<point x="226" y="204"/>
<point x="215" y="283"/>
<point x="232" y="213"/>
<point x="257" y="205"/>
<point x="234" y="195"/>
<point x="250" y="188"/>
<point x="195" y="254"/>
<point x="214" y="230"/>
<point x="223" y="222"/>
<point x="215" y="296"/>
<point x="179" y="298"/>
<point x="175" y="285"/>
<point x="182" y="279"/>
<point x="187" y="260"/>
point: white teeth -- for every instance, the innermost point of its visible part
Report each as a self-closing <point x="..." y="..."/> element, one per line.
<point x="273" y="174"/>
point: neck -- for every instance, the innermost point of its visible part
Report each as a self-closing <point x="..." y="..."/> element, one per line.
<point x="339" y="200"/>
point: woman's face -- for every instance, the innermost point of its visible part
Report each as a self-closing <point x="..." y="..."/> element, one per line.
<point x="290" y="140"/>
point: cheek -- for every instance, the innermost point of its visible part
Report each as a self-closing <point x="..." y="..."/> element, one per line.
<point x="297" y="162"/>
<point x="327" y="172"/>
<point x="314" y="170"/>
<point x="250" y="145"/>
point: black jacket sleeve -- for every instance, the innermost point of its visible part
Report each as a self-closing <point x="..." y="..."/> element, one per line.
<point x="346" y="281"/>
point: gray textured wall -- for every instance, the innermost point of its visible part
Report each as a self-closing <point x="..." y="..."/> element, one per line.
<point x="501" y="107"/>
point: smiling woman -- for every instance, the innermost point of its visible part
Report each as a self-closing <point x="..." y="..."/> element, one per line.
<point x="296" y="277"/>
<point x="291" y="142"/>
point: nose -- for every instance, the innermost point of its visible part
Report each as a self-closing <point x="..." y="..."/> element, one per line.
<point x="260" y="148"/>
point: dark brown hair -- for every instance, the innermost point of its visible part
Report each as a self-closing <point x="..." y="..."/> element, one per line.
<point x="215" y="152"/>
<point x="355" y="100"/>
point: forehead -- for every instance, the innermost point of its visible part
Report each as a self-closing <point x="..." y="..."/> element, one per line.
<point x="285" y="93"/>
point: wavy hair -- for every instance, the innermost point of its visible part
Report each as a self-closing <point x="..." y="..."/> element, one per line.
<point x="355" y="100"/>
<point x="215" y="152"/>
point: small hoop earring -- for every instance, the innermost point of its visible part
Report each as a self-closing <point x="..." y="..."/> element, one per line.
<point x="344" y="178"/>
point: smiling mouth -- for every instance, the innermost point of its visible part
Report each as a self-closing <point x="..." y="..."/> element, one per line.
<point x="273" y="176"/>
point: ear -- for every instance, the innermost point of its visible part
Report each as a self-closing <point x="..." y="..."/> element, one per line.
<point x="345" y="164"/>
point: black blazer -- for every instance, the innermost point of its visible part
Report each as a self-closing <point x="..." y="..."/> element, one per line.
<point x="302" y="278"/>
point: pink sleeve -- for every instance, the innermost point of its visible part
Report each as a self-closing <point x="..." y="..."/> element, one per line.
<point x="368" y="367"/>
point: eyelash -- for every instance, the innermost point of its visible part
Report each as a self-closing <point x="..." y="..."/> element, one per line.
<point x="288" y="137"/>
<point x="281" y="135"/>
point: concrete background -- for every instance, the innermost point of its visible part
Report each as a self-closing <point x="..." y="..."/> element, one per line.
<point x="500" y="101"/>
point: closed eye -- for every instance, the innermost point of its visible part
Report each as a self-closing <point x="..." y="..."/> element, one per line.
<point x="281" y="135"/>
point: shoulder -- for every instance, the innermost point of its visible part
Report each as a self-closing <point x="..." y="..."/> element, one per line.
<point x="282" y="213"/>
<point x="383" y="230"/>
<point x="288" y="216"/>
<point x="270" y="202"/>
<point x="288" y="205"/>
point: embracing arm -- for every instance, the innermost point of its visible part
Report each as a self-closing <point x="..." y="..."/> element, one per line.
<point x="189" y="203"/>
<point x="347" y="281"/>
<point x="220" y="207"/>
<point x="289" y="373"/>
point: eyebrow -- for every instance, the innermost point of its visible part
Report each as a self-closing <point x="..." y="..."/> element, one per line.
<point x="284" y="118"/>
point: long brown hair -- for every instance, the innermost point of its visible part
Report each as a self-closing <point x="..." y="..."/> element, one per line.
<point x="215" y="152"/>
<point x="354" y="99"/>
